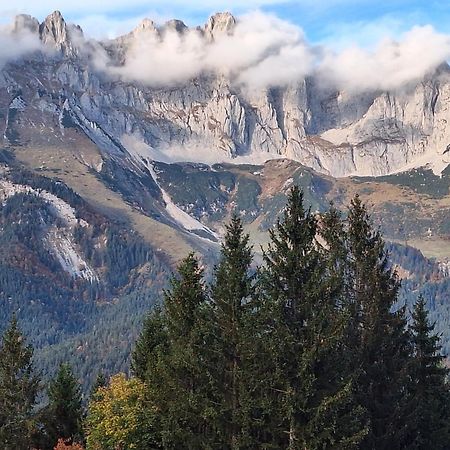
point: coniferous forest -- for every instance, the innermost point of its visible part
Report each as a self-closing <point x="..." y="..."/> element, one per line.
<point x="311" y="350"/>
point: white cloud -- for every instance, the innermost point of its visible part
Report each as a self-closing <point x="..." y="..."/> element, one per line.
<point x="266" y="51"/>
<point x="195" y="150"/>
<point x="391" y="65"/>
<point x="262" y="51"/>
<point x="14" y="46"/>
<point x="172" y="59"/>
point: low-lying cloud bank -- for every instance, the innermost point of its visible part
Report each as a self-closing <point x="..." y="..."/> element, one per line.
<point x="259" y="51"/>
<point x="391" y="65"/>
<point x="265" y="51"/>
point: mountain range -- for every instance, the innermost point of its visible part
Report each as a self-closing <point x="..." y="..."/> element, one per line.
<point x="115" y="165"/>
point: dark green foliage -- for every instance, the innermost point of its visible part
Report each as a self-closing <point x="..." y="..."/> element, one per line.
<point x="231" y="304"/>
<point x="152" y="337"/>
<point x="64" y="414"/>
<point x="168" y="357"/>
<point x="313" y="188"/>
<point x="124" y="252"/>
<point x="197" y="188"/>
<point x="23" y="218"/>
<point x="100" y="382"/>
<point x="429" y="407"/>
<point x="422" y="181"/>
<point x="60" y="313"/>
<point x="247" y="198"/>
<point x="309" y="352"/>
<point x="18" y="390"/>
<point x="379" y="337"/>
<point x="40" y="183"/>
<point x="177" y="382"/>
<point x="316" y="406"/>
<point x="315" y="357"/>
<point x="64" y="315"/>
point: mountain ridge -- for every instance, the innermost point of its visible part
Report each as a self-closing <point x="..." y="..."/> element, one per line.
<point x="210" y="118"/>
<point x="165" y="166"/>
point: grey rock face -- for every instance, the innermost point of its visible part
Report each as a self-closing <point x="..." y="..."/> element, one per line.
<point x="55" y="33"/>
<point x="209" y="118"/>
<point x="220" y="23"/>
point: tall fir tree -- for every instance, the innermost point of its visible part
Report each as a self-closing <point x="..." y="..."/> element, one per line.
<point x="19" y="387"/>
<point x="231" y="293"/>
<point x="176" y="377"/>
<point x="332" y="234"/>
<point x="429" y="415"/>
<point x="305" y="328"/>
<point x="100" y="382"/>
<point x="64" y="413"/>
<point x="380" y="340"/>
<point x="152" y="340"/>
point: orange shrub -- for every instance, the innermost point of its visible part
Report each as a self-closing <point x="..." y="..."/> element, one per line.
<point x="64" y="445"/>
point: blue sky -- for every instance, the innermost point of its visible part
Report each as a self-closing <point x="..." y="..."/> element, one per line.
<point x="336" y="22"/>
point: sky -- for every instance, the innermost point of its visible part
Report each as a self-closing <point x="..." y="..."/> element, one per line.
<point x="337" y="23"/>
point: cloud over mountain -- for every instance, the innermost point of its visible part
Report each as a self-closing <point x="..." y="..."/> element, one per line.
<point x="257" y="51"/>
<point x="263" y="51"/>
<point x="391" y="65"/>
<point x="15" y="44"/>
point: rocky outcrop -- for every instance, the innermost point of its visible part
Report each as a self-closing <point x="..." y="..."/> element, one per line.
<point x="55" y="33"/>
<point x="219" y="24"/>
<point x="210" y="118"/>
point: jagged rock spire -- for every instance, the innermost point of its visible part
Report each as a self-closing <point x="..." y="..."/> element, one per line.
<point x="55" y="32"/>
<point x="220" y="23"/>
<point x="175" y="25"/>
<point x="145" y="25"/>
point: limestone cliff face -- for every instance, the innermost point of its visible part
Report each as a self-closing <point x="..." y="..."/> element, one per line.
<point x="339" y="133"/>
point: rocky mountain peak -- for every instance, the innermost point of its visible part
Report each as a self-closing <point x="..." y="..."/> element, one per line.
<point x="175" y="25"/>
<point x="145" y="25"/>
<point x="55" y="32"/>
<point x="220" y="23"/>
<point x="336" y="132"/>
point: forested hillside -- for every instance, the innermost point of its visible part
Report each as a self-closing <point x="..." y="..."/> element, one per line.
<point x="79" y="280"/>
<point x="69" y="272"/>
<point x="312" y="350"/>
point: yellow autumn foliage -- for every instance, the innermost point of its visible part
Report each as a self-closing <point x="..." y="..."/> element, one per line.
<point x="115" y="420"/>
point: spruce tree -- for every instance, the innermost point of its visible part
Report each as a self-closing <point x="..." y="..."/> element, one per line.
<point x="429" y="416"/>
<point x="19" y="387"/>
<point x="100" y="382"/>
<point x="353" y="420"/>
<point x="230" y="295"/>
<point x="152" y="337"/>
<point x="380" y="341"/>
<point x="64" y="413"/>
<point x="304" y="331"/>
<point x="176" y="376"/>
